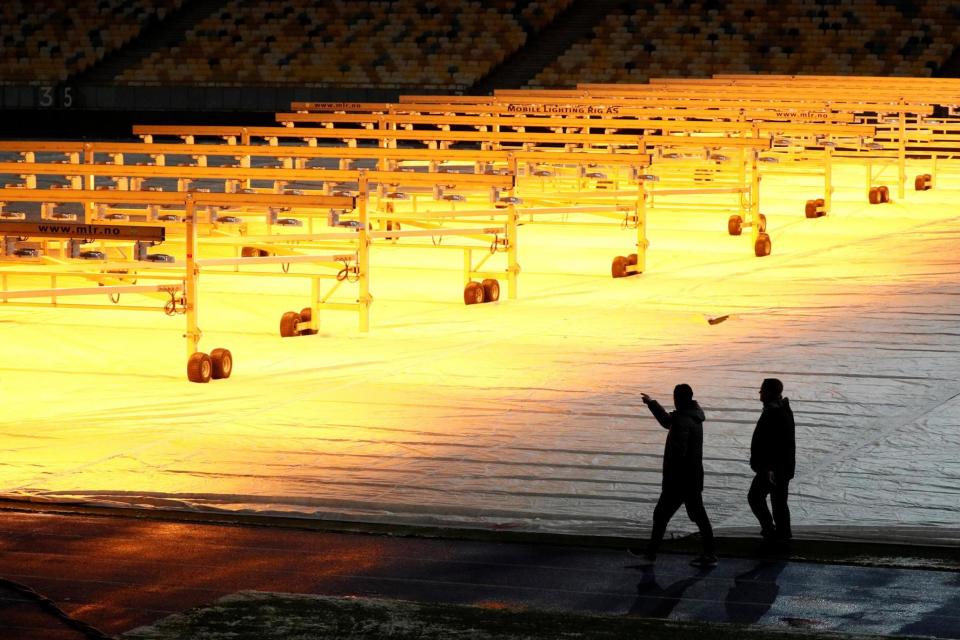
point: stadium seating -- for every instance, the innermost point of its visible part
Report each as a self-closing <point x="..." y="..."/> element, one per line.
<point x="45" y="42"/>
<point x="698" y="38"/>
<point x="382" y="44"/>
<point x="448" y="46"/>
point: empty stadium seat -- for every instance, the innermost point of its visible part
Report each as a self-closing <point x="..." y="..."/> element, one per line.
<point x="676" y="38"/>
<point x="47" y="42"/>
<point x="341" y="43"/>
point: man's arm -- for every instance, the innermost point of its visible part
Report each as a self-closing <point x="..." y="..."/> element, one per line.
<point x="665" y="419"/>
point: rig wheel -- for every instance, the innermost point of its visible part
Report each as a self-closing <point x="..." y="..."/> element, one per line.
<point x="222" y="361"/>
<point x="491" y="290"/>
<point x="199" y="368"/>
<point x="762" y="246"/>
<point x="288" y="324"/>
<point x="735" y="225"/>
<point x="619" y="267"/>
<point x="473" y="293"/>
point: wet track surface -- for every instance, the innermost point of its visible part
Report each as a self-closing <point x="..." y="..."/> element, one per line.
<point x="118" y="574"/>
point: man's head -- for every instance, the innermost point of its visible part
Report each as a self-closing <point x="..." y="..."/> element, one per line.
<point x="771" y="389"/>
<point x="682" y="396"/>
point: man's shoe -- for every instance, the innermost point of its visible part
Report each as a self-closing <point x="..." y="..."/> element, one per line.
<point x="704" y="562"/>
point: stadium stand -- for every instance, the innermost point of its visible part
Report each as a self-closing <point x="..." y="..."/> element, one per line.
<point x="346" y="44"/>
<point x="696" y="39"/>
<point x="236" y="56"/>
<point x="50" y="41"/>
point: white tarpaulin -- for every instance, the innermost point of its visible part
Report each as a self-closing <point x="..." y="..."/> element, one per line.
<point x="525" y="414"/>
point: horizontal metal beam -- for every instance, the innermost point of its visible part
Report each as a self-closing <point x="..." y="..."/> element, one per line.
<point x="303" y="151"/>
<point x="691" y="192"/>
<point x="82" y="230"/>
<point x="771" y="111"/>
<point x="531" y="118"/>
<point x="422" y="136"/>
<point x="413" y="233"/>
<point x="18" y="194"/>
<point x="333" y="257"/>
<point x="602" y="140"/>
<point x="347" y="235"/>
<point x="237" y="173"/>
<point x="90" y="291"/>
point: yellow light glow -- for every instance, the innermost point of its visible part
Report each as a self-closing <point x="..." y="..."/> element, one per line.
<point x="524" y="411"/>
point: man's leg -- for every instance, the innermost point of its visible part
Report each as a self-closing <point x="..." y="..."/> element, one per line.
<point x="757" y="497"/>
<point x="781" y="511"/>
<point x="699" y="516"/>
<point x="670" y="500"/>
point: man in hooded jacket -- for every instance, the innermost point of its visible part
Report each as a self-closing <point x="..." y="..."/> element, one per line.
<point x="773" y="459"/>
<point x="682" y="473"/>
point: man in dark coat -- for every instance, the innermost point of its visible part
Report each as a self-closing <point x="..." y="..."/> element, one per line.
<point x="773" y="459"/>
<point x="682" y="473"/>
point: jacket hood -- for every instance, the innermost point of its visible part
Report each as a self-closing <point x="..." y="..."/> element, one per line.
<point x="693" y="411"/>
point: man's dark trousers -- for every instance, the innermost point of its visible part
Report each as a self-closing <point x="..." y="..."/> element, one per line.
<point x="670" y="500"/>
<point x="778" y="524"/>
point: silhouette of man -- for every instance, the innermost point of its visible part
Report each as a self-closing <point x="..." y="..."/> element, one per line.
<point x="682" y="473"/>
<point x="773" y="459"/>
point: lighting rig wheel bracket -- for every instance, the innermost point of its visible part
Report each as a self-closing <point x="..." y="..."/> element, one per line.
<point x="815" y="208"/>
<point x="306" y="315"/>
<point x="619" y="267"/>
<point x="392" y="226"/>
<point x="762" y="222"/>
